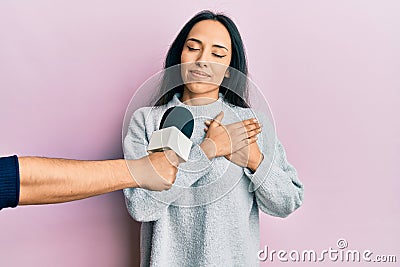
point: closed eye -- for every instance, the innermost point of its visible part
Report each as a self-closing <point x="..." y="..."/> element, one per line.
<point x="197" y="49"/>
<point x="193" y="49"/>
<point x="220" y="56"/>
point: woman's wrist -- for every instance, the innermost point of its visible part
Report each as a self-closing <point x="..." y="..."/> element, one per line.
<point x="254" y="163"/>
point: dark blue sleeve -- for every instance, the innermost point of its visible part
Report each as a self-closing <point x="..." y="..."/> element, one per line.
<point x="9" y="182"/>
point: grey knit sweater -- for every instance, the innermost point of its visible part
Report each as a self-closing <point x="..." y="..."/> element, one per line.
<point x="210" y="215"/>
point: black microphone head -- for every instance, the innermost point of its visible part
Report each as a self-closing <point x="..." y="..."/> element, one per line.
<point x="179" y="117"/>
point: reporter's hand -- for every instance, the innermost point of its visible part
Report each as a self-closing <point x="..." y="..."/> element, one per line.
<point x="222" y="140"/>
<point x="156" y="171"/>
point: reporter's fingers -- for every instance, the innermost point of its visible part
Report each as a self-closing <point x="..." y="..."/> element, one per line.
<point x="166" y="184"/>
<point x="172" y="157"/>
<point x="171" y="171"/>
<point x="164" y="167"/>
<point x="170" y="176"/>
<point x="149" y="172"/>
<point x="174" y="172"/>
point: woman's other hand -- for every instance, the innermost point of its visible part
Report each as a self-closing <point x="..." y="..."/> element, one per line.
<point x="224" y="140"/>
<point x="249" y="155"/>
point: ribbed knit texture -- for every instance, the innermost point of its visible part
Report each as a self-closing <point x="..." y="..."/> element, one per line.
<point x="225" y="231"/>
<point x="9" y="182"/>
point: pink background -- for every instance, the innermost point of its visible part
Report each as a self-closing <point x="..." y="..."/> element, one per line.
<point x="331" y="72"/>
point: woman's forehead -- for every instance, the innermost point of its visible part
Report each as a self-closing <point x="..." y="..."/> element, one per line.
<point x="210" y="31"/>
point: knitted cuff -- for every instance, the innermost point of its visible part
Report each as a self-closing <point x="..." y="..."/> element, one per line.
<point x="9" y="182"/>
<point x="260" y="176"/>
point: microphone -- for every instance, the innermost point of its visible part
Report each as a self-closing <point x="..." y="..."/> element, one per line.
<point x="176" y="128"/>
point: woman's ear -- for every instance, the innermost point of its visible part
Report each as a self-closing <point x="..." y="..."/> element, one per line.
<point x="227" y="74"/>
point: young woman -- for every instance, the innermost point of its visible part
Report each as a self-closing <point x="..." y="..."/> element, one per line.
<point x="190" y="224"/>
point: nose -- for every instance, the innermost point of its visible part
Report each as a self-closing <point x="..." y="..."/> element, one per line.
<point x="203" y="60"/>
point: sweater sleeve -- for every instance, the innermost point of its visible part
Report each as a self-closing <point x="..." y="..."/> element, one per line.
<point x="145" y="205"/>
<point x="9" y="182"/>
<point x="277" y="188"/>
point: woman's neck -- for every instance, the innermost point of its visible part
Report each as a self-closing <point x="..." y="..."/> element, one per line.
<point x="195" y="99"/>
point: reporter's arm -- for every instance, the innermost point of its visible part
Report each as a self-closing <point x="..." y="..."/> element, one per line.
<point x="35" y="180"/>
<point x="47" y="180"/>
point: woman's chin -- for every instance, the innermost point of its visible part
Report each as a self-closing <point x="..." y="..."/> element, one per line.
<point x="202" y="88"/>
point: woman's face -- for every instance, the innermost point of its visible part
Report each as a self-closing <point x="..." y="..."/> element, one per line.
<point x="205" y="58"/>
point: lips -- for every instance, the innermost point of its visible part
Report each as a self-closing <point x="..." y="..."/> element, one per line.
<point x="200" y="73"/>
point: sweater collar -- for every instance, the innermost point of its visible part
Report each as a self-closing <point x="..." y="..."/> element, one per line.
<point x="216" y="105"/>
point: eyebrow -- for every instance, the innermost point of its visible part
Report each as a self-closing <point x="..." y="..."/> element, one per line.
<point x="200" y="42"/>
